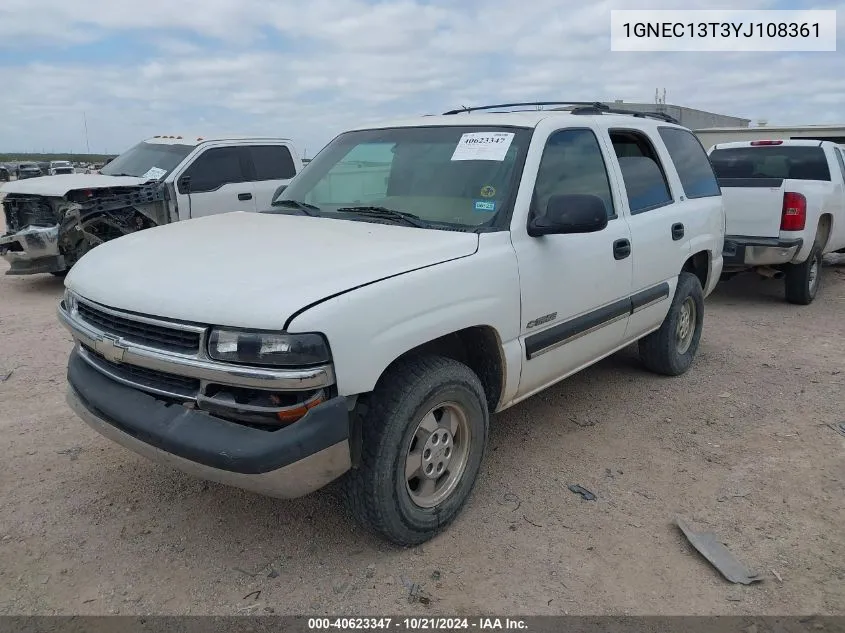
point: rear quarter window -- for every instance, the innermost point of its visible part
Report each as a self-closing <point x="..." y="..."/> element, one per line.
<point x="691" y="162"/>
<point x="795" y="162"/>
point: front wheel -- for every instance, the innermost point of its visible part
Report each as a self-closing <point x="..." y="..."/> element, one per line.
<point x="671" y="349"/>
<point x="802" y="280"/>
<point x="423" y="438"/>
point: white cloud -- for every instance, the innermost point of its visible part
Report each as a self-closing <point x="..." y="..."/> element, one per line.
<point x="309" y="69"/>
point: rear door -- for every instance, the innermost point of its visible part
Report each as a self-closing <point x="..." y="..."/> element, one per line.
<point x="700" y="204"/>
<point x="658" y="237"/>
<point x="271" y="166"/>
<point x="216" y="181"/>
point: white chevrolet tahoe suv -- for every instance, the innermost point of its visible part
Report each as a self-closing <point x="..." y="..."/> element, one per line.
<point x="413" y="280"/>
<point x="53" y="221"/>
<point x="785" y="209"/>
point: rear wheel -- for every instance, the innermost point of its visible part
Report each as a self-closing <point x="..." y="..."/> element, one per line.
<point x="803" y="280"/>
<point x="671" y="349"/>
<point x="423" y="438"/>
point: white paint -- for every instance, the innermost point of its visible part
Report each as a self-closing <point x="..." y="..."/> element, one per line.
<point x="253" y="269"/>
<point x="59" y="186"/>
<point x="377" y="291"/>
<point x="756" y="211"/>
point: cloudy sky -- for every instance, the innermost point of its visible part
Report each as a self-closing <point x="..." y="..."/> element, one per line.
<point x="307" y="69"/>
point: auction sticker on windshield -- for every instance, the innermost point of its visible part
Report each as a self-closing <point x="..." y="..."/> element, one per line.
<point x="483" y="146"/>
<point x="154" y="173"/>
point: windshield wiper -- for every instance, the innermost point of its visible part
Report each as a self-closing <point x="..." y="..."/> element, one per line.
<point x="130" y="175"/>
<point x="387" y="214"/>
<point x="307" y="209"/>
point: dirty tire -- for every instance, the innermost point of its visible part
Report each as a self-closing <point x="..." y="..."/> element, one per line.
<point x="378" y="492"/>
<point x="803" y="280"/>
<point x="660" y="351"/>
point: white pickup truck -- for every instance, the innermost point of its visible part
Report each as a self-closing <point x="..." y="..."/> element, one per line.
<point x="785" y="209"/>
<point x="412" y="280"/>
<point x="53" y="221"/>
<point x="60" y="168"/>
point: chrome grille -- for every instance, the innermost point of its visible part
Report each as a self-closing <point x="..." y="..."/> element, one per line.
<point x="149" y="379"/>
<point x="151" y="335"/>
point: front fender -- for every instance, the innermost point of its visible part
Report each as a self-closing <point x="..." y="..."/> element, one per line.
<point x="370" y="327"/>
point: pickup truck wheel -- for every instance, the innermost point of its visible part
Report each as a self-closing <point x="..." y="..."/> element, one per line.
<point x="423" y="438"/>
<point x="671" y="349"/>
<point x="802" y="280"/>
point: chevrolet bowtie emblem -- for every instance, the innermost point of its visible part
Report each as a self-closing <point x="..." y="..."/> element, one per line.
<point x="110" y="349"/>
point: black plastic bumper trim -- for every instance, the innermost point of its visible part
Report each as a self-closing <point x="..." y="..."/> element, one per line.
<point x="203" y="438"/>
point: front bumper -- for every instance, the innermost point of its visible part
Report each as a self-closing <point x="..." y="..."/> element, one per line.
<point x="285" y="463"/>
<point x="743" y="251"/>
<point x="33" y="250"/>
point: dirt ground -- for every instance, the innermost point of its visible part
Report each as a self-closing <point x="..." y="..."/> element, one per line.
<point x="739" y="446"/>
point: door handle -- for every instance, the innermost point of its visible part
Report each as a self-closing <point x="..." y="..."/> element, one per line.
<point x="244" y="196"/>
<point x="621" y="249"/>
<point x="677" y="231"/>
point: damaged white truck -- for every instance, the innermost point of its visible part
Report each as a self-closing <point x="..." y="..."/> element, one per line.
<point x="53" y="221"/>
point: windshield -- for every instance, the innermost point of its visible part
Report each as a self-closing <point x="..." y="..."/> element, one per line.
<point x="148" y="160"/>
<point x="447" y="177"/>
<point x="795" y="162"/>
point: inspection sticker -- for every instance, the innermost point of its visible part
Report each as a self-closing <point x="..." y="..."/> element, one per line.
<point x="154" y="173"/>
<point x="483" y="146"/>
<point x="485" y="205"/>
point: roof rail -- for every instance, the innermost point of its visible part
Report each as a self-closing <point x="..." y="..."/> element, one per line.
<point x="581" y="107"/>
<point x="538" y="104"/>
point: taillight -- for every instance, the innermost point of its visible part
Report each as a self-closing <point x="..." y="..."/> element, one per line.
<point x="794" y="214"/>
<point x="758" y="143"/>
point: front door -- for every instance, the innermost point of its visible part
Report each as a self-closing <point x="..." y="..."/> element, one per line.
<point x="218" y="183"/>
<point x="575" y="288"/>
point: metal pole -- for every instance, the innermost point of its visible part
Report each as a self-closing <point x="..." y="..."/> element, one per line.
<point x="85" y="122"/>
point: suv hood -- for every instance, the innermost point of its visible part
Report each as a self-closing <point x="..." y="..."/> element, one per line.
<point x="60" y="185"/>
<point x="253" y="270"/>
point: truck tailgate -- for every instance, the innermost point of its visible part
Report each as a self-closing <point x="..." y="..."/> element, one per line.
<point x="753" y="207"/>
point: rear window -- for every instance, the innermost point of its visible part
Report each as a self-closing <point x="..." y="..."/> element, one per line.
<point x="771" y="161"/>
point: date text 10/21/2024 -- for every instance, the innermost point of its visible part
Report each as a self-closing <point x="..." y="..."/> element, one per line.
<point x="417" y="624"/>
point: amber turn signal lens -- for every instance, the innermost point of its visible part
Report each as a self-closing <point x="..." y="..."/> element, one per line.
<point x="295" y="413"/>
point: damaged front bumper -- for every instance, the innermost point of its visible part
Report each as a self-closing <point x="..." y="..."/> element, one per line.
<point x="286" y="463"/>
<point x="33" y="250"/>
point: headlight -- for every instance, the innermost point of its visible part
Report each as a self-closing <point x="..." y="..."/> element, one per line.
<point x="267" y="348"/>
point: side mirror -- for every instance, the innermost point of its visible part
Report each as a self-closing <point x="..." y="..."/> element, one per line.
<point x="277" y="193"/>
<point x="185" y="184"/>
<point x="570" y="213"/>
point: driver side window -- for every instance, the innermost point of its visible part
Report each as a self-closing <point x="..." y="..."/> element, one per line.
<point x="572" y="163"/>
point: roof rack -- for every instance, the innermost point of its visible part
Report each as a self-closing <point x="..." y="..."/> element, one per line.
<point x="580" y="107"/>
